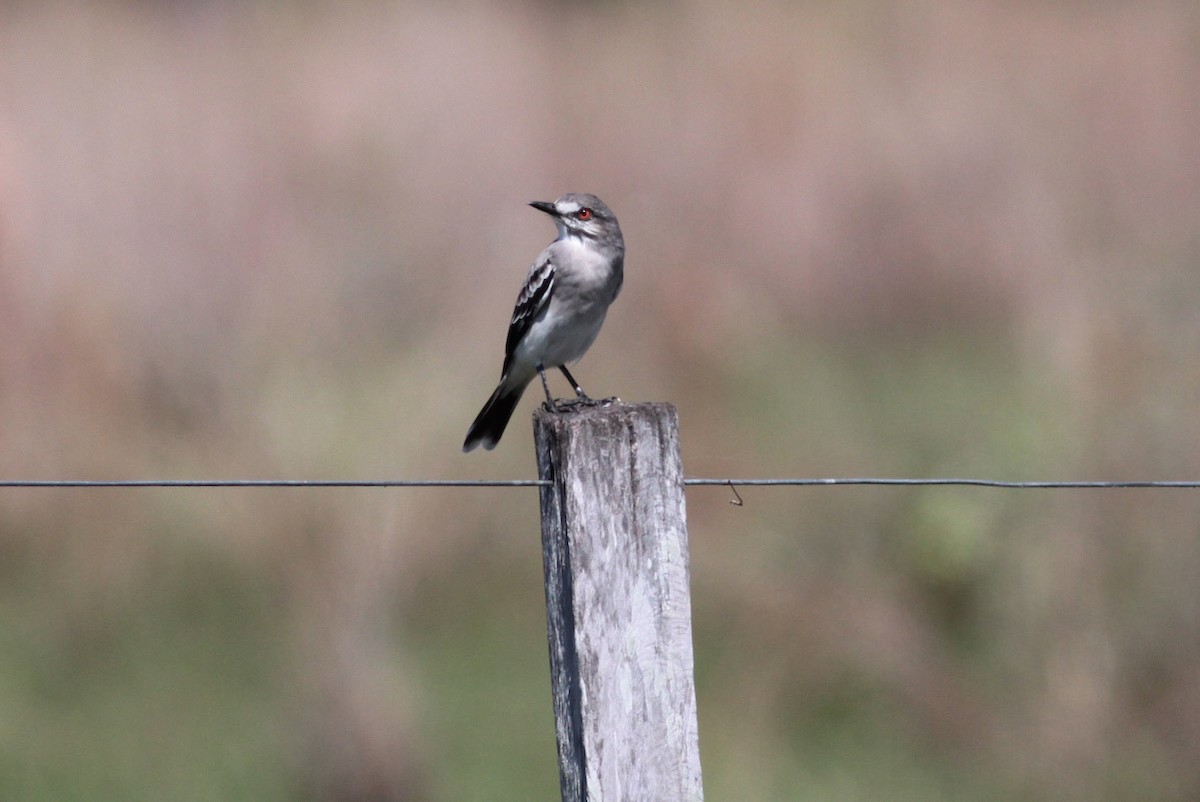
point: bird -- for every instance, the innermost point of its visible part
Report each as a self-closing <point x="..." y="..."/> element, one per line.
<point x="559" y="310"/>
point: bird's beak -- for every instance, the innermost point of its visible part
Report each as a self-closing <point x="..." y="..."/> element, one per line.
<point x="543" y="206"/>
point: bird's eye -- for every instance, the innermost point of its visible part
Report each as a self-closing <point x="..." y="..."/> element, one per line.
<point x="584" y="214"/>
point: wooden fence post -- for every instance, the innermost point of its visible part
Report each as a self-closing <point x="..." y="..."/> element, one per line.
<point x="614" y="541"/>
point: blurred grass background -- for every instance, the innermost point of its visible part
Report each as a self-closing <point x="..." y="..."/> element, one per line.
<point x="281" y="240"/>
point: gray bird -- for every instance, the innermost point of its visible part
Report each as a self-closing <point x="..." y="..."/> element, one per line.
<point x="559" y="310"/>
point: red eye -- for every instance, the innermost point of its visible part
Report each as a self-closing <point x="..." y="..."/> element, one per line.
<point x="584" y="214"/>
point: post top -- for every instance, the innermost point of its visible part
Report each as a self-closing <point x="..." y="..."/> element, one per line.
<point x="602" y="408"/>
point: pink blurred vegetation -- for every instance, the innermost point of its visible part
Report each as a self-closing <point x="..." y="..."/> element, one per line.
<point x="282" y="240"/>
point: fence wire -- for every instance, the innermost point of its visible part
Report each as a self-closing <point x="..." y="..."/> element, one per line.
<point x="690" y="481"/>
<point x="962" y="482"/>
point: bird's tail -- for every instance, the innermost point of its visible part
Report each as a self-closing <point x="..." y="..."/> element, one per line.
<point x="489" y="424"/>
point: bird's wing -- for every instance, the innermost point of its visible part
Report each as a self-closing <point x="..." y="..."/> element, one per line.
<point x="539" y="284"/>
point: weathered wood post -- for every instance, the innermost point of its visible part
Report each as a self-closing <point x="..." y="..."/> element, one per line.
<point x="614" y="540"/>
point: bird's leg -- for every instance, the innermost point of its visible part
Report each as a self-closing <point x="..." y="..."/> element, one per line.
<point x="574" y="384"/>
<point x="582" y="399"/>
<point x="550" y="405"/>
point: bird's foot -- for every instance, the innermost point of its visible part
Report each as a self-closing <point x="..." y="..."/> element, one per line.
<point x="582" y="402"/>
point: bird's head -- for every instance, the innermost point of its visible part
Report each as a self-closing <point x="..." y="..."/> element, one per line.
<point x="581" y="215"/>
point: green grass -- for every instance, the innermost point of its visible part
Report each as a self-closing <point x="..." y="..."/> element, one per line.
<point x="170" y="693"/>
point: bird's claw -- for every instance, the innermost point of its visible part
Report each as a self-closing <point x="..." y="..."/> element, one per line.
<point x="582" y="402"/>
